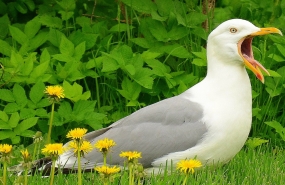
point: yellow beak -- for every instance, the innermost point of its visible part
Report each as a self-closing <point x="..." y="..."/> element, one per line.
<point x="245" y="51"/>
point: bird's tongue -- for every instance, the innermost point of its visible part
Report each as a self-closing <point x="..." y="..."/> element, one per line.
<point x="256" y="65"/>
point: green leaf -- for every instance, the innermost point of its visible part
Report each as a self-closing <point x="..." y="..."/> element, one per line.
<point x="276" y="125"/>
<point x="14" y="119"/>
<point x="11" y="107"/>
<point x="49" y="21"/>
<point x="43" y="103"/>
<point x="29" y="64"/>
<point x="37" y="92"/>
<point x="74" y="92"/>
<point x="18" y="35"/>
<point x="37" y="41"/>
<point x="146" y="6"/>
<point x="65" y="110"/>
<point x="143" y="77"/>
<point x="83" y="21"/>
<point x="32" y="27"/>
<point x="130" y="90"/>
<point x="131" y="69"/>
<point x="78" y="37"/>
<point x="66" y="46"/>
<point x="55" y="37"/>
<point x="174" y="50"/>
<point x="165" y="7"/>
<point x="67" y="4"/>
<point x="142" y="42"/>
<point x="158" y="68"/>
<point x="15" y="139"/>
<point x="146" y="55"/>
<point x="79" y="51"/>
<point x="27" y="113"/>
<point x="64" y="57"/>
<point x="122" y="55"/>
<point x="255" y="142"/>
<point x="16" y="60"/>
<point x="30" y="4"/>
<point x="39" y="71"/>
<point x="281" y="49"/>
<point x="274" y="73"/>
<point x="21" y="7"/>
<point x="82" y="108"/>
<point x="4" y="22"/>
<point x="6" y="134"/>
<point x="25" y="125"/>
<point x="199" y="62"/>
<point x="45" y="56"/>
<point x="65" y="15"/>
<point x="94" y="120"/>
<point x="41" y="112"/>
<point x="273" y="92"/>
<point x="158" y="30"/>
<point x="177" y="32"/>
<point x="109" y="65"/>
<point x="276" y="57"/>
<point x="5" y="48"/>
<point x="6" y="95"/>
<point x="278" y="128"/>
<point x="192" y="19"/>
<point x="181" y="88"/>
<point x="28" y="133"/>
<point x="121" y="27"/>
<point x="202" y="54"/>
<point x="4" y="116"/>
<point x="20" y="95"/>
<point x="4" y="125"/>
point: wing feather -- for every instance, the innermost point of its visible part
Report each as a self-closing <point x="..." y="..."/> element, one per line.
<point x="171" y="125"/>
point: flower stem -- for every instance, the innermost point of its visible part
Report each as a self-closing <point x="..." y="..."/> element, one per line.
<point x="131" y="174"/>
<point x="50" y="124"/>
<point x="34" y="152"/>
<point x="52" y="171"/>
<point x="79" y="164"/>
<point x="185" y="180"/>
<point x="104" y="158"/>
<point x="26" y="176"/>
<point x="4" y="173"/>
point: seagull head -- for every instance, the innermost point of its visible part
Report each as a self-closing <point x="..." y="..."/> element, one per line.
<point x="234" y="38"/>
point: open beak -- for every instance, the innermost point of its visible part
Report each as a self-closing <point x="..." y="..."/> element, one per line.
<point x="245" y="51"/>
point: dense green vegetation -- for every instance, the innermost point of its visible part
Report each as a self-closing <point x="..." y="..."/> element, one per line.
<point x="114" y="57"/>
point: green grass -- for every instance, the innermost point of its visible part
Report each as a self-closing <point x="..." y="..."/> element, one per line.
<point x="264" y="165"/>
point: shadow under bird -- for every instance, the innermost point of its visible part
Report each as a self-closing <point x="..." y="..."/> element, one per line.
<point x="210" y="121"/>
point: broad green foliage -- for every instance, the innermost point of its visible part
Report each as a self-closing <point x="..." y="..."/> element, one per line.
<point x="115" y="57"/>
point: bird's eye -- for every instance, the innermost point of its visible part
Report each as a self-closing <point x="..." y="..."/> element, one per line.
<point x="233" y="30"/>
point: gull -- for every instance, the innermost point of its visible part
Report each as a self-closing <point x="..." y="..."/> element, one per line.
<point x="210" y="121"/>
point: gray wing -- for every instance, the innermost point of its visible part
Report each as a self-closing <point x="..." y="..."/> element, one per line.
<point x="168" y="126"/>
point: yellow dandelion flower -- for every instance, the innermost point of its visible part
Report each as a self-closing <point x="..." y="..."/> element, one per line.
<point x="106" y="170"/>
<point x="131" y="155"/>
<point x="25" y="154"/>
<point x="5" y="148"/>
<point x="104" y="145"/>
<point x="85" y="146"/>
<point x="188" y="166"/>
<point x="76" y="133"/>
<point x="54" y="92"/>
<point x="54" y="149"/>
